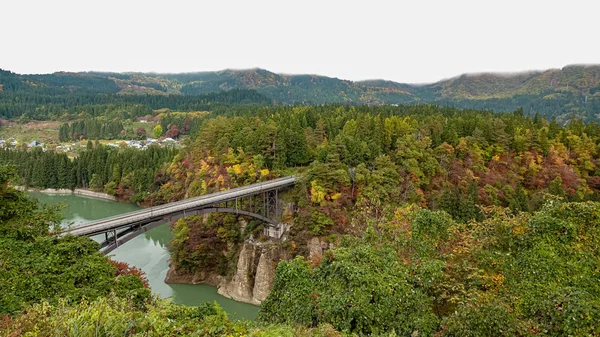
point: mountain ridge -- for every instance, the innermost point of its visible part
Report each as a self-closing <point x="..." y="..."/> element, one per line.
<point x="288" y="75"/>
<point x="571" y="90"/>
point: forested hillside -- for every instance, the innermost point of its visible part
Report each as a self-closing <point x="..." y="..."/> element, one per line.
<point x="69" y="95"/>
<point x="125" y="173"/>
<point x="572" y="90"/>
<point x="441" y="158"/>
<point x="429" y="221"/>
<point x="63" y="286"/>
<point x="438" y="221"/>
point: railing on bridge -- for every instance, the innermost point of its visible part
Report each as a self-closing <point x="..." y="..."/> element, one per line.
<point x="134" y="221"/>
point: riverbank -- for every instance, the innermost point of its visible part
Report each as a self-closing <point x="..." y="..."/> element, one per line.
<point x="252" y="279"/>
<point x="64" y="191"/>
<point x="147" y="251"/>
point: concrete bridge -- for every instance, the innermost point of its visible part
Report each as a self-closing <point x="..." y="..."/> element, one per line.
<point x="259" y="201"/>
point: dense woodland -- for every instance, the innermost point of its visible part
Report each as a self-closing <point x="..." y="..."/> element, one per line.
<point x="420" y="273"/>
<point x="92" y="129"/>
<point x="439" y="158"/>
<point x="123" y="172"/>
<point x="440" y="221"/>
<point x="63" y="286"/>
<point x="46" y="97"/>
<point x="171" y="124"/>
<point x="559" y="93"/>
<point x="467" y="211"/>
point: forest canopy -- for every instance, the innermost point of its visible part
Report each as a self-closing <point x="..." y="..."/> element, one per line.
<point x="436" y="221"/>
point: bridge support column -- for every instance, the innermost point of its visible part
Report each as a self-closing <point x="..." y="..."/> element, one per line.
<point x="115" y="237"/>
<point x="265" y="208"/>
<point x="272" y="211"/>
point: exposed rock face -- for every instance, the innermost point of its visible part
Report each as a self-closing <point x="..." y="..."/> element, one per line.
<point x="253" y="278"/>
<point x="242" y="284"/>
<point x="255" y="269"/>
<point x="175" y="276"/>
<point x="265" y="273"/>
<point x="255" y="273"/>
<point x="316" y="247"/>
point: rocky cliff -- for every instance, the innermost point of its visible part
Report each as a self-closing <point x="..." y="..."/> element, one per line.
<point x="255" y="264"/>
<point x="253" y="277"/>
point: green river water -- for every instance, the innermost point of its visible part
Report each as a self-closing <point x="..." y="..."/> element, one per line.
<point x="147" y="251"/>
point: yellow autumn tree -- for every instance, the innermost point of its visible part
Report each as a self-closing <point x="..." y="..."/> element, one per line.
<point x="317" y="193"/>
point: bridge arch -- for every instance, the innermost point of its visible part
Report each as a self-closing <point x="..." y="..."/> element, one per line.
<point x="128" y="234"/>
<point x="237" y="211"/>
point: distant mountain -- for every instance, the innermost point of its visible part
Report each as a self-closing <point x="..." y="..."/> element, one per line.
<point x="557" y="92"/>
<point x="290" y="89"/>
<point x="572" y="90"/>
<point x="574" y="79"/>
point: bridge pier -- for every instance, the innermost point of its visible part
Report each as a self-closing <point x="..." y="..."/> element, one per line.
<point x="116" y="238"/>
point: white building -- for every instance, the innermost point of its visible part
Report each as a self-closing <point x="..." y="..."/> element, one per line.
<point x="134" y="144"/>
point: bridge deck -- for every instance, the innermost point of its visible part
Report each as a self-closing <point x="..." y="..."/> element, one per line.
<point x="154" y="213"/>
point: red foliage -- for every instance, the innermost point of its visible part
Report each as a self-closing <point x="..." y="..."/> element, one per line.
<point x="187" y="163"/>
<point x="185" y="128"/>
<point x="173" y="131"/>
<point x="570" y="180"/>
<point x="315" y="260"/>
<point x="125" y="269"/>
<point x="124" y="192"/>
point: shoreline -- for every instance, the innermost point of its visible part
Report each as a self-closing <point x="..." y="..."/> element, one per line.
<point x="210" y="279"/>
<point x="64" y="191"/>
<point x="172" y="277"/>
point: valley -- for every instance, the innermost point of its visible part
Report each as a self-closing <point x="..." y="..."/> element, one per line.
<point x="415" y="219"/>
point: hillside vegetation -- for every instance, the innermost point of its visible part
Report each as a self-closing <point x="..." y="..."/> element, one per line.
<point x="63" y="286"/>
<point x="409" y="220"/>
<point x="572" y="90"/>
<point x="436" y="222"/>
<point x="439" y="222"/>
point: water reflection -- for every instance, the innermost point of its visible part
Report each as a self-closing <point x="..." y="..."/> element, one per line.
<point x="161" y="236"/>
<point x="148" y="252"/>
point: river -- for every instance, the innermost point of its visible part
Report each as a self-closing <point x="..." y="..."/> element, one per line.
<point x="147" y="252"/>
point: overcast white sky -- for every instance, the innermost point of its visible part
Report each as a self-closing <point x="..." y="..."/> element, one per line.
<point x="405" y="41"/>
